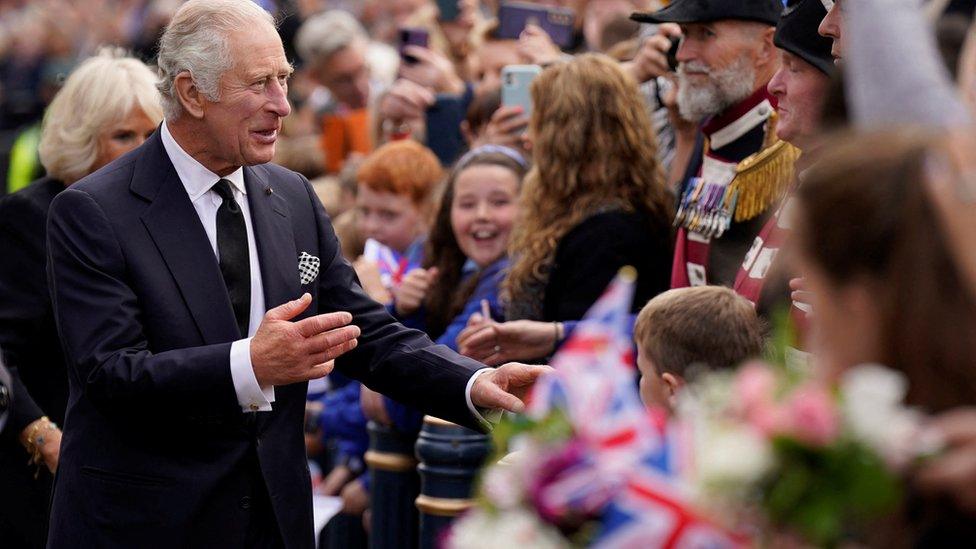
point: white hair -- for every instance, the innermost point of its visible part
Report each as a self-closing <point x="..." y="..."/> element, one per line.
<point x="323" y="35"/>
<point x="103" y="90"/>
<point x="195" y="41"/>
<point x="725" y="87"/>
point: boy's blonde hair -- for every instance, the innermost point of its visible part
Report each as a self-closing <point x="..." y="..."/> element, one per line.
<point x="710" y="325"/>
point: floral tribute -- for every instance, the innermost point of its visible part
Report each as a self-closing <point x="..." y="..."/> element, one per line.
<point x="794" y="458"/>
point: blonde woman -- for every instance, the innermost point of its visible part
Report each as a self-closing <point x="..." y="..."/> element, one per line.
<point x="107" y="107"/>
<point x="594" y="201"/>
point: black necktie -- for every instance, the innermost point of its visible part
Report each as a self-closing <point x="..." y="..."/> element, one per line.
<point x="235" y="264"/>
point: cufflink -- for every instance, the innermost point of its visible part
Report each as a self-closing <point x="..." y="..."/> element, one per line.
<point x="254" y="407"/>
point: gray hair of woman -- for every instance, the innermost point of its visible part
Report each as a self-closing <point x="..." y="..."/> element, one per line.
<point x="103" y="90"/>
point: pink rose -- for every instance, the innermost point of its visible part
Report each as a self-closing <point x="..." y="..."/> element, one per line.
<point x="755" y="385"/>
<point x="812" y="416"/>
<point x="755" y="388"/>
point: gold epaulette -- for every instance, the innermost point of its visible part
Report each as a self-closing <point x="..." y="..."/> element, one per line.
<point x="762" y="178"/>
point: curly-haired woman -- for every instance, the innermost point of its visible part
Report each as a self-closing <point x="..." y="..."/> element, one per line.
<point x="594" y="201"/>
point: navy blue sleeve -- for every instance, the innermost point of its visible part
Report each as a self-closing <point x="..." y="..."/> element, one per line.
<point x="444" y="119"/>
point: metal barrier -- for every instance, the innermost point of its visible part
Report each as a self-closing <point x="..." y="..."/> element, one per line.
<point x="450" y="458"/>
<point x="394" y="485"/>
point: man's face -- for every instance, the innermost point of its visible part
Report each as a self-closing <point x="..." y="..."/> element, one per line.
<point x="716" y="66"/>
<point x="243" y="124"/>
<point x="800" y="90"/>
<point x="346" y="75"/>
<point x="832" y="27"/>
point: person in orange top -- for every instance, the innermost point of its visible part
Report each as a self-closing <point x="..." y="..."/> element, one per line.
<point x="334" y="45"/>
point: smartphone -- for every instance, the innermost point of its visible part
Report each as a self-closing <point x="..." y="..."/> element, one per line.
<point x="516" y="80"/>
<point x="673" y="53"/>
<point x="411" y="37"/>
<point x="448" y="9"/>
<point x="557" y="22"/>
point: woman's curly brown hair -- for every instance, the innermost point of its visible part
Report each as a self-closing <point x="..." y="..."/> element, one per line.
<point x="593" y="149"/>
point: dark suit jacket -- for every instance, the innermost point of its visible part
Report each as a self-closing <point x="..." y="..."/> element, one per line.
<point x="154" y="437"/>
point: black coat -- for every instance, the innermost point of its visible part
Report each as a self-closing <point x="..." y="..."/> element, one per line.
<point x="28" y="336"/>
<point x="156" y="451"/>
<point x="590" y="255"/>
<point x="32" y="349"/>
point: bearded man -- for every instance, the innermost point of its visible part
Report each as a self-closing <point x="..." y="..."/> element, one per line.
<point x="739" y="169"/>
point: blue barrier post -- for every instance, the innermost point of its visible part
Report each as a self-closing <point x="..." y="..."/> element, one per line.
<point x="450" y="458"/>
<point x="394" y="485"/>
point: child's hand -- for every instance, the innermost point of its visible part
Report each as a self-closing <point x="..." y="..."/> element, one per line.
<point x="355" y="498"/>
<point x="411" y="292"/>
<point x="369" y="277"/>
<point x="802" y="299"/>
<point x="374" y="408"/>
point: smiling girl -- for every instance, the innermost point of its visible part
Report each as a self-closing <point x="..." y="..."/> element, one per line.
<point x="470" y="237"/>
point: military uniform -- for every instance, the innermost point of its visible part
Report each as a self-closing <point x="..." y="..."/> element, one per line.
<point x="728" y="211"/>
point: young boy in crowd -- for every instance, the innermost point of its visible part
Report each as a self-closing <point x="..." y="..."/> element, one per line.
<point x="710" y="325"/>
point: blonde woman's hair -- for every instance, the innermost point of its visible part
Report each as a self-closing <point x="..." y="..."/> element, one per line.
<point x="593" y="150"/>
<point x="103" y="90"/>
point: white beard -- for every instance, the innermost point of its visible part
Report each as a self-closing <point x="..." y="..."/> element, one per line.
<point x="724" y="88"/>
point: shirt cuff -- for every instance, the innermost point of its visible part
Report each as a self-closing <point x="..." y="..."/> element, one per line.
<point x="485" y="416"/>
<point x="251" y="396"/>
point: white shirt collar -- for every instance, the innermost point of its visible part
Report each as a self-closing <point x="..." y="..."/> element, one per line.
<point x="196" y="178"/>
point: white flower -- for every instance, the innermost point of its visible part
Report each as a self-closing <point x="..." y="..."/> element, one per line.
<point x="874" y="413"/>
<point x="731" y="456"/>
<point x="512" y="528"/>
<point x="501" y="484"/>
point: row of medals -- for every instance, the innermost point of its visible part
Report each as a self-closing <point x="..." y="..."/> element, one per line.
<point x="706" y="208"/>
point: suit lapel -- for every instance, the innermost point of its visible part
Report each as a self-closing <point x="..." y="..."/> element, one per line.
<point x="176" y="230"/>
<point x="275" y="239"/>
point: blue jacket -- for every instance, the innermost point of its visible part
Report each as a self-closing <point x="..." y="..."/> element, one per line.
<point x="409" y="420"/>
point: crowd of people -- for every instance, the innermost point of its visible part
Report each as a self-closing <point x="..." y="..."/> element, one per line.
<point x="754" y="161"/>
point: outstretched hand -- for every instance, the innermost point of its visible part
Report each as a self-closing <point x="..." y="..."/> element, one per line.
<point x="505" y="387"/>
<point x="495" y="343"/>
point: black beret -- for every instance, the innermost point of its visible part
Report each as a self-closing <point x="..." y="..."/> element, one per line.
<point x="797" y="33"/>
<point x="704" y="11"/>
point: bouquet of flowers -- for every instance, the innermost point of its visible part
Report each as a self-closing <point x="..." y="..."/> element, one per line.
<point x="775" y="448"/>
<point x="587" y="465"/>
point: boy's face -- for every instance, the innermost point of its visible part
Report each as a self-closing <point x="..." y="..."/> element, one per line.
<point x="391" y="219"/>
<point x="654" y="390"/>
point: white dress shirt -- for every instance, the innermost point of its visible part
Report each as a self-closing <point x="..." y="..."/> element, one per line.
<point x="198" y="182"/>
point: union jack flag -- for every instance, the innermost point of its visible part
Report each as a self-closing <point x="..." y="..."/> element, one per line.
<point x="391" y="264"/>
<point x="628" y="461"/>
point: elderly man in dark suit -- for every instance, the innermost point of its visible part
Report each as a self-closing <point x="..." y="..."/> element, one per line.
<point x="197" y="289"/>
